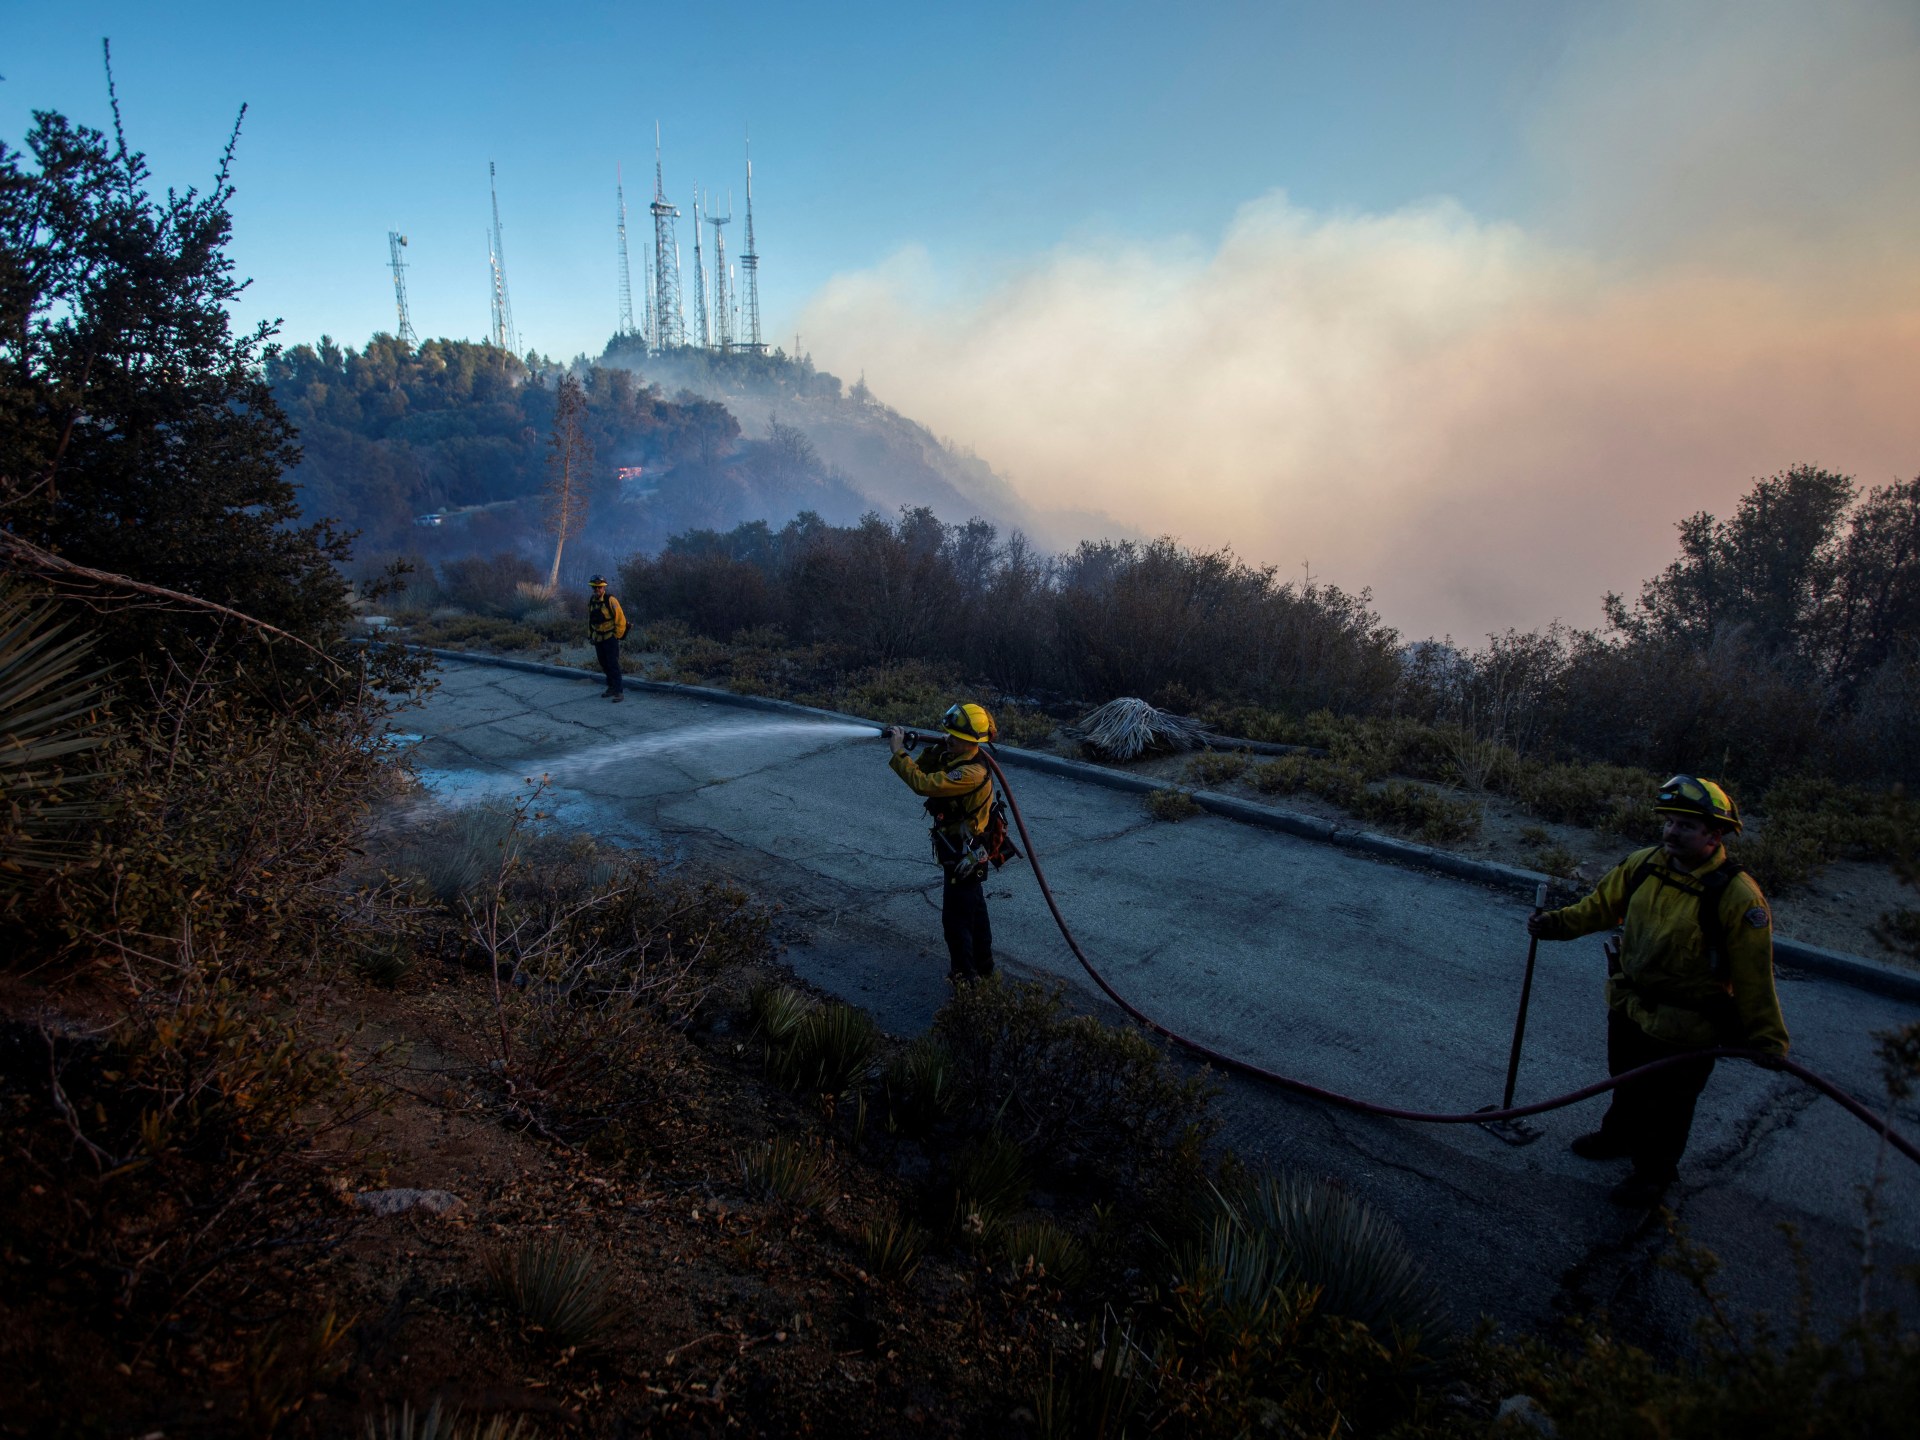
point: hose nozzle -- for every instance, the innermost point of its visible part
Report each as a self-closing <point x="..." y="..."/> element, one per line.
<point x="912" y="739"/>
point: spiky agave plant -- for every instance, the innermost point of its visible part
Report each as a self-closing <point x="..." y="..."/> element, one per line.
<point x="558" y="1289"/>
<point x="1043" y="1249"/>
<point x="1285" y="1230"/>
<point x="777" y="1010"/>
<point x="894" y="1249"/>
<point x="52" y="724"/>
<point x="829" y="1050"/>
<point x="435" y="1423"/>
<point x="990" y="1179"/>
<point x="786" y="1169"/>
<point x="919" y="1085"/>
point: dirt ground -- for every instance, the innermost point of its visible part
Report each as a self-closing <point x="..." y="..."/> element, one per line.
<point x="736" y="1315"/>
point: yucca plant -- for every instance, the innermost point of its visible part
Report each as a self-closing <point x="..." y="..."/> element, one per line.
<point x="829" y="1050"/>
<point x="558" y="1289"/>
<point x="52" y="720"/>
<point x="786" y="1169"/>
<point x="919" y="1085"/>
<point x="776" y="1012"/>
<point x="435" y="1423"/>
<point x="990" y="1179"/>
<point x="1043" y="1249"/>
<point x="1287" y="1231"/>
<point x="893" y="1249"/>
<point x="1098" y="1395"/>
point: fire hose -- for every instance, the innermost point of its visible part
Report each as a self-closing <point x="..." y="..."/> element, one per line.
<point x="1882" y="1125"/>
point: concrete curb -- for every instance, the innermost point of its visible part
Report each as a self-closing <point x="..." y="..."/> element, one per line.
<point x="1873" y="976"/>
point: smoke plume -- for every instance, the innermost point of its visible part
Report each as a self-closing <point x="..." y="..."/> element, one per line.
<point x="1489" y="422"/>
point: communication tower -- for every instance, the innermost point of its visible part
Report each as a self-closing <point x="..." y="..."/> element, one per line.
<point x="670" y="326"/>
<point x="722" y="297"/>
<point x="625" y="324"/>
<point x="750" y="271"/>
<point x="396" y="242"/>
<point x="700" y="278"/>
<point x="503" y="335"/>
<point x="650" y="329"/>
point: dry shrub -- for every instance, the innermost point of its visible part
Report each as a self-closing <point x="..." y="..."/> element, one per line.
<point x="486" y="633"/>
<point x="492" y="584"/>
<point x="1172" y="804"/>
<point x="1618" y="798"/>
<point x="1027" y="729"/>
<point x="1216" y="767"/>
<point x="1437" y="819"/>
<point x="1069" y="1090"/>
<point x="589" y="952"/>
<point x="907" y="692"/>
<point x="168" y="1134"/>
<point x="1544" y="854"/>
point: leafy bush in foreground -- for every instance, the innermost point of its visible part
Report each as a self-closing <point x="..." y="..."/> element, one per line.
<point x="1070" y="1089"/>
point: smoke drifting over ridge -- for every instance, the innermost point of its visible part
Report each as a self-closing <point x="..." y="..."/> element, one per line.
<point x="1489" y="422"/>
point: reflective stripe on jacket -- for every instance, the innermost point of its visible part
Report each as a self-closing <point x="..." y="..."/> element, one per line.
<point x="961" y="788"/>
<point x="1666" y="983"/>
<point x="605" y="619"/>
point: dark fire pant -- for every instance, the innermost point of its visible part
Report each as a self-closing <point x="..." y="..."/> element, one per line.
<point x="963" y="920"/>
<point x="1651" y="1118"/>
<point x="607" y="652"/>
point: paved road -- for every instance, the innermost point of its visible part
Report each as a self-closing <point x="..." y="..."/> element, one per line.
<point x="1381" y="981"/>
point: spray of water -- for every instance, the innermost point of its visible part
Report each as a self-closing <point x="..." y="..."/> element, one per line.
<point x="578" y="767"/>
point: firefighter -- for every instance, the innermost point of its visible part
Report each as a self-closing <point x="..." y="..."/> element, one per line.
<point x="1692" y="969"/>
<point x="607" y="627"/>
<point x="959" y="791"/>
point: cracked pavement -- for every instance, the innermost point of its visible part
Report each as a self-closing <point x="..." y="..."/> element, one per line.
<point x="1362" y="976"/>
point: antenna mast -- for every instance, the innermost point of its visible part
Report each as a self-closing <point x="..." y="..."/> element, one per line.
<point x="722" y="300"/>
<point x="750" y="269"/>
<point x="700" y="278"/>
<point x="395" y="243"/>
<point x="624" y="326"/>
<point x="670" y="330"/>
<point x="503" y="335"/>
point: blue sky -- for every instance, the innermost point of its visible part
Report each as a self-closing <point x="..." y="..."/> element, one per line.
<point x="977" y="132"/>
<point x="1464" y="302"/>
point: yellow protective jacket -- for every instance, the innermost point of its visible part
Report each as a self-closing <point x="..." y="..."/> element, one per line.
<point x="606" y="620"/>
<point x="1666" y="983"/>
<point x="959" y="791"/>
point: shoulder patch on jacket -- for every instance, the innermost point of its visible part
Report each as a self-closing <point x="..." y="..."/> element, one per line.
<point x="957" y="776"/>
<point x="1758" y="918"/>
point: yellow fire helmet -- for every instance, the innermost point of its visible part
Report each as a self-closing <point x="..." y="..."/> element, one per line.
<point x="1702" y="799"/>
<point x="971" y="723"/>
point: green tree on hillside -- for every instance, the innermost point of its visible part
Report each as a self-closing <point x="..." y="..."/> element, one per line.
<point x="1802" y="571"/>
<point x="137" y="433"/>
<point x="392" y="431"/>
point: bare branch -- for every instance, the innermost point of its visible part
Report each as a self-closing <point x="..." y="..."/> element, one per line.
<point x="26" y="553"/>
